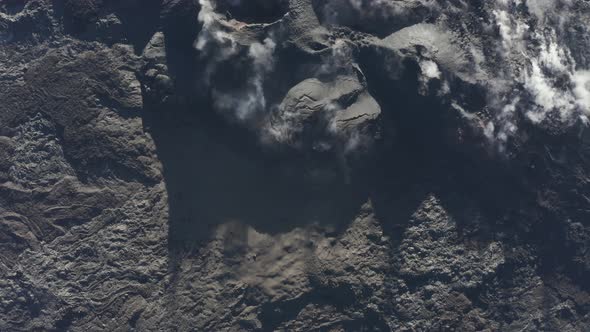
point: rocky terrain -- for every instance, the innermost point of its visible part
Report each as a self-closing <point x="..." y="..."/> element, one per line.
<point x="294" y="165"/>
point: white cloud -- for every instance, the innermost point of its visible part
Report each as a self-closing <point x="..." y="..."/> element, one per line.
<point x="249" y="101"/>
<point x="211" y="32"/>
<point x="429" y="69"/>
<point x="535" y="58"/>
<point x="262" y="54"/>
<point x="554" y="82"/>
<point x="547" y="96"/>
<point x="582" y="89"/>
<point x="217" y="45"/>
<point x="554" y="57"/>
<point x="339" y="57"/>
<point x="213" y="42"/>
<point x="512" y="31"/>
<point x="529" y="61"/>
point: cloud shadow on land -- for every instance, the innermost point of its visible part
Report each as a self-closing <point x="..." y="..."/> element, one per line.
<point x="217" y="173"/>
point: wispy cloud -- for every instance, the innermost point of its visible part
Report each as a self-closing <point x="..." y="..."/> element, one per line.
<point x="520" y="58"/>
<point x="218" y="46"/>
<point x="250" y="100"/>
<point x="534" y="72"/>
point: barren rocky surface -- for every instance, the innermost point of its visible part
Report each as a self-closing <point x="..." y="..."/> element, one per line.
<point x="294" y="165"/>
